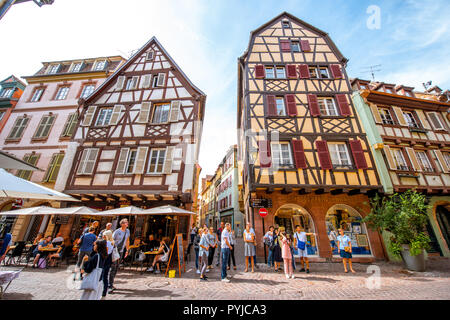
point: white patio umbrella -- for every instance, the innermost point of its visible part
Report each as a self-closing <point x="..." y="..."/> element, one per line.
<point x="41" y="210"/>
<point x="45" y="210"/>
<point x="129" y="210"/>
<point x="15" y="187"/>
<point x="168" y="209"/>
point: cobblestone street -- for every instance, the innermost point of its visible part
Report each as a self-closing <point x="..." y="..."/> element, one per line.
<point x="326" y="281"/>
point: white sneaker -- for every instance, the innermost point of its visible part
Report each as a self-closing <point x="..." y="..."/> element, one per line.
<point x="198" y="271"/>
<point x="292" y="277"/>
<point x="225" y="280"/>
<point x="157" y="271"/>
<point x="287" y="276"/>
<point x="207" y="270"/>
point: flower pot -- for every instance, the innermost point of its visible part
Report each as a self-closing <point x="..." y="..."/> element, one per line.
<point x="413" y="263"/>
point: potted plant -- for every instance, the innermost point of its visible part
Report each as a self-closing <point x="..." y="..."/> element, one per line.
<point x="404" y="216"/>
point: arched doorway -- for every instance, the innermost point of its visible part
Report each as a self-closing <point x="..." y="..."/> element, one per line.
<point x="291" y="215"/>
<point x="443" y="219"/>
<point x="349" y="219"/>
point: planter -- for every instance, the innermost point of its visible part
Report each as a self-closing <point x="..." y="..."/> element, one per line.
<point x="413" y="263"/>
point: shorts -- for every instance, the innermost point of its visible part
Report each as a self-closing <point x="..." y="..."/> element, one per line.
<point x="345" y="255"/>
<point x="302" y="253"/>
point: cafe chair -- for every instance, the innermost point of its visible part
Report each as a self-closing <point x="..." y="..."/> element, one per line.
<point x="13" y="256"/>
<point x="29" y="254"/>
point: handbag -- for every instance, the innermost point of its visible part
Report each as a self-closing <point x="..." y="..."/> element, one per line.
<point x="300" y="244"/>
<point x="90" y="282"/>
<point x="347" y="249"/>
<point x="115" y="254"/>
<point x="140" y="256"/>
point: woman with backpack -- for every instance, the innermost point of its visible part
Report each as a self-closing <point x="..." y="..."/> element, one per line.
<point x="95" y="261"/>
<point x="277" y="258"/>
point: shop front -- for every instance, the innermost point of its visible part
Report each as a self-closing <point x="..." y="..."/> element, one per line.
<point x="320" y="216"/>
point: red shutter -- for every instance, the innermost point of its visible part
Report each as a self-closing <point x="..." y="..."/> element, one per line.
<point x="324" y="155"/>
<point x="291" y="105"/>
<point x="299" y="154"/>
<point x="271" y="106"/>
<point x="358" y="154"/>
<point x="291" y="71"/>
<point x="264" y="154"/>
<point x="305" y="45"/>
<point x="285" y="45"/>
<point x="336" y="71"/>
<point x="313" y="105"/>
<point x="304" y="71"/>
<point x="260" y="72"/>
<point x="343" y="104"/>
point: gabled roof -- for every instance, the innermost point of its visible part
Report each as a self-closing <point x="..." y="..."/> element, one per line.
<point x="12" y="78"/>
<point x="303" y="23"/>
<point x="130" y="61"/>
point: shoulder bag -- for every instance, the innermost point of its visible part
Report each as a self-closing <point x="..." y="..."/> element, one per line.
<point x="91" y="280"/>
<point x="115" y="254"/>
<point x="300" y="244"/>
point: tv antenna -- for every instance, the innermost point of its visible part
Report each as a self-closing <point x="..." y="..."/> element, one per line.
<point x="372" y="70"/>
<point x="427" y="85"/>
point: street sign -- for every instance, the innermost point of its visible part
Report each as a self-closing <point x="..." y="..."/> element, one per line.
<point x="263" y="212"/>
<point x="261" y="203"/>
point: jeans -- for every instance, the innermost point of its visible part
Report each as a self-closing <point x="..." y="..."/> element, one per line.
<point x="211" y="255"/>
<point x="105" y="274"/>
<point x="218" y="254"/>
<point x="204" y="261"/>
<point x="270" y="261"/>
<point x="225" y="256"/>
<point x="293" y="259"/>
<point x="232" y="257"/>
<point x="114" y="268"/>
<point x="196" y="257"/>
<point x="81" y="255"/>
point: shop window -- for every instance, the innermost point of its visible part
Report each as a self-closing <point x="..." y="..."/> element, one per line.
<point x="291" y="216"/>
<point x="339" y="217"/>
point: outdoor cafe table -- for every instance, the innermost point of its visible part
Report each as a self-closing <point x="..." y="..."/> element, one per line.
<point x="47" y="250"/>
<point x="151" y="253"/>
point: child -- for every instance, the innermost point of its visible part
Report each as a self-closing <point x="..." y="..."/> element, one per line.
<point x="287" y="255"/>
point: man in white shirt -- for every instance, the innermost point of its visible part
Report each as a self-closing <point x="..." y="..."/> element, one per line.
<point x="300" y="239"/>
<point x="226" y="248"/>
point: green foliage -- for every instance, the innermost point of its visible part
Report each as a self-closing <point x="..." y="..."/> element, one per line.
<point x="404" y="216"/>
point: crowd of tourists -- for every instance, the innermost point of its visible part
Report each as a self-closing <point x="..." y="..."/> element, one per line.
<point x="281" y="248"/>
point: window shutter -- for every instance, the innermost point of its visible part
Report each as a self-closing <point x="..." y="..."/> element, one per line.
<point x="161" y="78"/>
<point x="423" y="119"/>
<point x="389" y="158"/>
<point x="413" y="158"/>
<point x="399" y="115"/>
<point x="358" y="154"/>
<point x="324" y="155"/>
<point x="291" y="105"/>
<point x="82" y="161"/>
<point x="116" y="114"/>
<point x="146" y="81"/>
<point x="40" y="129"/>
<point x="299" y="154"/>
<point x="305" y="45"/>
<point x="144" y="113"/>
<point x="174" y="111"/>
<point x="313" y="105"/>
<point x="265" y="158"/>
<point x="304" y="71"/>
<point x="88" y="116"/>
<point x="441" y="160"/>
<point x="134" y="82"/>
<point x="123" y="157"/>
<point x="271" y="106"/>
<point x="435" y="121"/>
<point x="291" y="71"/>
<point x="120" y="82"/>
<point x="47" y="126"/>
<point x="344" y="107"/>
<point x="336" y="71"/>
<point x="90" y="161"/>
<point x="140" y="160"/>
<point x="168" y="161"/>
<point x="376" y="113"/>
<point x="285" y="45"/>
<point x="260" y="72"/>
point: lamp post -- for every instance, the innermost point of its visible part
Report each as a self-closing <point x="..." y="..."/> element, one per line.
<point x="6" y="4"/>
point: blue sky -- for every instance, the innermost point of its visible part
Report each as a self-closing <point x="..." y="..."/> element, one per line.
<point x="205" y="38"/>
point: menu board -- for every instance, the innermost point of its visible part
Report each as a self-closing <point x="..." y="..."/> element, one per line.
<point x="177" y="245"/>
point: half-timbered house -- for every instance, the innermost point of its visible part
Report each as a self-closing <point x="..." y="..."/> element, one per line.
<point x="138" y="138"/>
<point x="305" y="155"/>
<point x="409" y="133"/>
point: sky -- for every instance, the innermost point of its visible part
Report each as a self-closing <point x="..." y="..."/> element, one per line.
<point x="411" y="42"/>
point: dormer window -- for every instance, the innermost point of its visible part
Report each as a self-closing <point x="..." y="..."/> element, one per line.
<point x="150" y="56"/>
<point x="100" y="65"/>
<point x="76" y="66"/>
<point x="286" y="24"/>
<point x="408" y="93"/>
<point x="53" y="68"/>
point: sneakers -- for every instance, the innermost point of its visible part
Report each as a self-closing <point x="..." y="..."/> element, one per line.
<point x="198" y="271"/>
<point x="150" y="269"/>
<point x="203" y="279"/>
<point x="225" y="280"/>
<point x="157" y="271"/>
<point x="302" y="270"/>
<point x="287" y="276"/>
<point x="207" y="270"/>
<point x="307" y="270"/>
<point x="292" y="277"/>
